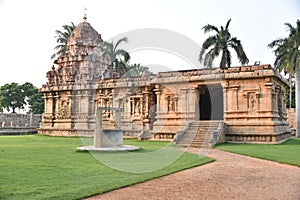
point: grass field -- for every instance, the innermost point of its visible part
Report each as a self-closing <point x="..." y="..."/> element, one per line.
<point x="42" y="167"/>
<point x="287" y="152"/>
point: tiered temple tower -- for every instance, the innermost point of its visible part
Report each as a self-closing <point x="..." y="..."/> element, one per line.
<point x="70" y="90"/>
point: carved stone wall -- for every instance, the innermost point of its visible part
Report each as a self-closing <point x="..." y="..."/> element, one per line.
<point x="249" y="99"/>
<point x="70" y="91"/>
<point x="255" y="106"/>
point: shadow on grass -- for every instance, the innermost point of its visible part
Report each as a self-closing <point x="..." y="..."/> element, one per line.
<point x="44" y="167"/>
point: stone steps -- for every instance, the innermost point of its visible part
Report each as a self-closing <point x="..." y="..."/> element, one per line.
<point x="198" y="134"/>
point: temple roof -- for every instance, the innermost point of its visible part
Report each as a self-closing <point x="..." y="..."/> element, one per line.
<point x="84" y="35"/>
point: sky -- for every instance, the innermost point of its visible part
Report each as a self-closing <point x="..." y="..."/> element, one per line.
<point x="28" y="28"/>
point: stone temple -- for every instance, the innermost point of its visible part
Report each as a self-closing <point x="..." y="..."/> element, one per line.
<point x="245" y="104"/>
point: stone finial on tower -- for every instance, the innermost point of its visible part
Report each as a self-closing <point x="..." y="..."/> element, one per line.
<point x="84" y="17"/>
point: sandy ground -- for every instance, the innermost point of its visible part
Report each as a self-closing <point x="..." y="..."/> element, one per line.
<point x="231" y="176"/>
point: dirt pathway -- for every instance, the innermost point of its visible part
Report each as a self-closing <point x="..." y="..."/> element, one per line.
<point x="231" y="176"/>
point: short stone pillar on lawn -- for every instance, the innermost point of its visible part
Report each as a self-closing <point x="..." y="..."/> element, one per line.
<point x="108" y="139"/>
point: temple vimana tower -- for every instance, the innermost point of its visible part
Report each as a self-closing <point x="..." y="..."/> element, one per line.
<point x="245" y="104"/>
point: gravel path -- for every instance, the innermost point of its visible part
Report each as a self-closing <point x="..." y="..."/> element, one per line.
<point x="231" y="176"/>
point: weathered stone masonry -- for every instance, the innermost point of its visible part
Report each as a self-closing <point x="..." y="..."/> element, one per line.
<point x="249" y="99"/>
<point x="19" y="124"/>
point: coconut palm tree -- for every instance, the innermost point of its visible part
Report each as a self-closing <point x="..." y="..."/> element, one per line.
<point x="282" y="62"/>
<point x="138" y="70"/>
<point x="221" y="42"/>
<point x="62" y="39"/>
<point x="118" y="57"/>
<point x="287" y="54"/>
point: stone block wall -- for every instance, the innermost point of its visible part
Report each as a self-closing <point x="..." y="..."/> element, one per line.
<point x="291" y="113"/>
<point x="19" y="120"/>
<point x="19" y="124"/>
<point x="254" y="108"/>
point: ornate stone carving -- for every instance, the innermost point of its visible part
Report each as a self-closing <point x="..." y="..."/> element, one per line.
<point x="162" y="104"/>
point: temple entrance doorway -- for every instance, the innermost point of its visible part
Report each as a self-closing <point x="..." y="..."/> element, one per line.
<point x="211" y="102"/>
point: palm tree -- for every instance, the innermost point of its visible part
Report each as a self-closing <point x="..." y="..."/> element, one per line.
<point x="220" y="43"/>
<point x="62" y="39"/>
<point x="118" y="57"/>
<point x="282" y="62"/>
<point x="138" y="70"/>
<point x="287" y="54"/>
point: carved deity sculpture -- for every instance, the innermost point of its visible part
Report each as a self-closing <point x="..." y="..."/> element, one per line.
<point x="52" y="76"/>
<point x="251" y="102"/>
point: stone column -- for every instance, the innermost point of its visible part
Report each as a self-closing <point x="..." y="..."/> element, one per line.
<point x="127" y="105"/>
<point x="225" y="97"/>
<point x="78" y="102"/>
<point x="110" y="102"/>
<point x="118" y="118"/>
<point x="98" y="128"/>
<point x="157" y="93"/>
<point x="269" y="101"/>
<point x="279" y="101"/>
<point x="47" y="104"/>
<point x="234" y="98"/>
<point x="132" y="106"/>
<point x="274" y="101"/>
<point x="257" y="95"/>
<point x="113" y="103"/>
<point x="197" y="101"/>
<point x="146" y="102"/>
<point x="57" y="102"/>
<point x="191" y="102"/>
<point x="141" y="112"/>
<point x="183" y="103"/>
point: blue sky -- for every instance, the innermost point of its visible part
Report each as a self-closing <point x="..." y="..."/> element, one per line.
<point x="27" y="28"/>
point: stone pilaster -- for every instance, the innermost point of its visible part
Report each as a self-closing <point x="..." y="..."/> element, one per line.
<point x="234" y="97"/>
<point x="225" y="88"/>
<point x="157" y="91"/>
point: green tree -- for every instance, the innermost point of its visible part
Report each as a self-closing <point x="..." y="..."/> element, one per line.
<point x="12" y="97"/>
<point x="62" y="39"/>
<point x="119" y="57"/>
<point x="221" y="42"/>
<point x="287" y="52"/>
<point x="33" y="98"/>
<point x="36" y="103"/>
<point x="28" y="89"/>
<point x="282" y="61"/>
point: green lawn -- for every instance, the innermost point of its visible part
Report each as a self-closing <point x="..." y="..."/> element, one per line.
<point x="42" y="167"/>
<point x="287" y="152"/>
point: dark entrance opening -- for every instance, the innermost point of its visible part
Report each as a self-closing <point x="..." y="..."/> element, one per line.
<point x="211" y="102"/>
